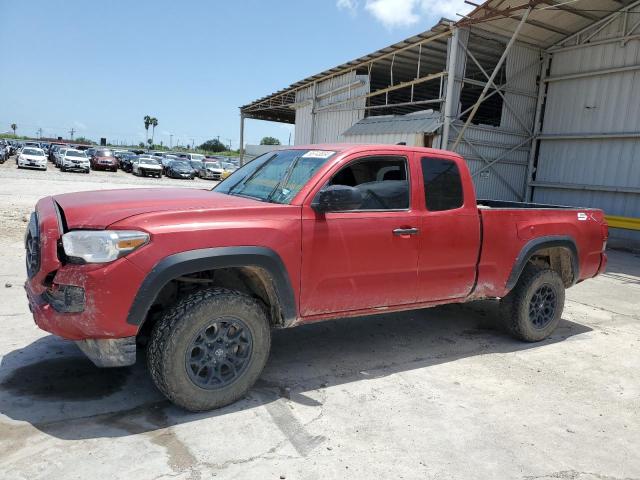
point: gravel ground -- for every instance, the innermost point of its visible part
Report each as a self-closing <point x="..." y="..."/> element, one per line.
<point x="433" y="394"/>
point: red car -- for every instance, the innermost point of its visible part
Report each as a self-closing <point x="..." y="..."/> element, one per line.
<point x="104" y="159"/>
<point x="295" y="236"/>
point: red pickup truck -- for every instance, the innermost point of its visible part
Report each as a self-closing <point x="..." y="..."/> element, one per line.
<point x="298" y="235"/>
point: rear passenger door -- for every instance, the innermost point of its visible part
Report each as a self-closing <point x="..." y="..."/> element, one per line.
<point x="450" y="231"/>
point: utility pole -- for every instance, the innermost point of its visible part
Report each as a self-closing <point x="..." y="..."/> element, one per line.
<point x="229" y="143"/>
<point x="192" y="144"/>
<point x="40" y="133"/>
<point x="71" y="132"/>
<point x="170" y="140"/>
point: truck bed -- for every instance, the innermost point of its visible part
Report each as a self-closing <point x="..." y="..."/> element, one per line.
<point x="508" y="228"/>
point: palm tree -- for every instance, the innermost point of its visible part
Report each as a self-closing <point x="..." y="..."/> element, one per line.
<point x="147" y="122"/>
<point x="154" y="124"/>
<point x="14" y="127"/>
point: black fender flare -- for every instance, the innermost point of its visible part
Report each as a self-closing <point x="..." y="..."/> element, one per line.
<point x="540" y="243"/>
<point x="192" y="261"/>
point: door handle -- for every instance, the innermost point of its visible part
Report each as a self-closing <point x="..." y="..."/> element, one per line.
<point x="406" y="231"/>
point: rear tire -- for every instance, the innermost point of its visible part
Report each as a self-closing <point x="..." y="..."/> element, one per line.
<point x="532" y="310"/>
<point x="209" y="348"/>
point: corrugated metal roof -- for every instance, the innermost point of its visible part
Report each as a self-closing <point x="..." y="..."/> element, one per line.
<point x="424" y="122"/>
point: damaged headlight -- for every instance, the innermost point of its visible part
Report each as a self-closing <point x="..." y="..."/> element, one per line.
<point x="102" y="246"/>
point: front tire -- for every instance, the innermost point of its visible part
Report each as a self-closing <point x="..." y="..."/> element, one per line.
<point x="532" y="310"/>
<point x="209" y="348"/>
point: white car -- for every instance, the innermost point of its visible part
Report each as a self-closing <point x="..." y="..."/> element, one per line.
<point x="59" y="155"/>
<point x="32" y="157"/>
<point x="211" y="171"/>
<point x="146" y="166"/>
<point x="74" y="160"/>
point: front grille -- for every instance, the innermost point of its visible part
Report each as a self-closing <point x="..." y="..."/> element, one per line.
<point x="32" y="246"/>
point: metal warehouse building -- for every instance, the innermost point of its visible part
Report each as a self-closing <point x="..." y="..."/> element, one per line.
<point x="541" y="98"/>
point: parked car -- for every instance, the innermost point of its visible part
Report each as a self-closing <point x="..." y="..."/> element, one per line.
<point x="124" y="161"/>
<point x="293" y="237"/>
<point x="53" y="149"/>
<point x="166" y="161"/>
<point x="32" y="157"/>
<point x="180" y="169"/>
<point x="211" y="171"/>
<point x="103" y="159"/>
<point x="229" y="168"/>
<point x="75" y="160"/>
<point x="59" y="155"/>
<point x="196" y="165"/>
<point x="5" y="150"/>
<point x="145" y="166"/>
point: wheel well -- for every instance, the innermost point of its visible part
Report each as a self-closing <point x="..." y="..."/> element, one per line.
<point x="251" y="280"/>
<point x="558" y="259"/>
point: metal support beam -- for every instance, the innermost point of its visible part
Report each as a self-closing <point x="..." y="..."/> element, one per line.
<point x="587" y="187"/>
<point x="313" y="112"/>
<point x="537" y="125"/>
<point x="594" y="73"/>
<point x="241" y="139"/>
<point x="493" y="85"/>
<point x="451" y="75"/>
<point x="503" y="57"/>
<point x="588" y="136"/>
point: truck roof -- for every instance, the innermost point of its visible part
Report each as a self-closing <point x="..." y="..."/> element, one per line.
<point x="357" y="147"/>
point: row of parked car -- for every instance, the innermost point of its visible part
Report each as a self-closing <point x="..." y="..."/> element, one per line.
<point x="84" y="158"/>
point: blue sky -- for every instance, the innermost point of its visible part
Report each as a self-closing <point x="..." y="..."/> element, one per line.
<point x="99" y="67"/>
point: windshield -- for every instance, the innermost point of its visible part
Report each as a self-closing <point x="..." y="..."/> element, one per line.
<point x="195" y="156"/>
<point x="104" y="153"/>
<point x="33" y="151"/>
<point x="196" y="164"/>
<point x="212" y="165"/>
<point x="74" y="153"/>
<point x="148" y="161"/>
<point x="180" y="164"/>
<point x="275" y="176"/>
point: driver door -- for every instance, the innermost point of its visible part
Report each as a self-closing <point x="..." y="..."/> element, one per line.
<point x="364" y="258"/>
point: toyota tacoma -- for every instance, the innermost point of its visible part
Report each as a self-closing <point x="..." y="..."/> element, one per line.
<point x="201" y="277"/>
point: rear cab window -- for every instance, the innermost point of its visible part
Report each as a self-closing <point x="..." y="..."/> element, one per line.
<point x="442" y="184"/>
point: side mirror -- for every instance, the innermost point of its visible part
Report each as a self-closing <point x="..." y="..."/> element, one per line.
<point x="337" y="198"/>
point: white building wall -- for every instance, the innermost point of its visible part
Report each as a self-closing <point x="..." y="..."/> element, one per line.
<point x="334" y="112"/>
<point x="605" y="172"/>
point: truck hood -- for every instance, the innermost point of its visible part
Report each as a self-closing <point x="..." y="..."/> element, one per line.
<point x="99" y="209"/>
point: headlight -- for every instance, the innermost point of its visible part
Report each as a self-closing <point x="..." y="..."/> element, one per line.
<point x="102" y="246"/>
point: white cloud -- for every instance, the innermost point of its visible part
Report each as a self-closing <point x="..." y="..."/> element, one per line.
<point x="350" y="5"/>
<point x="405" y="13"/>
<point x="393" y="13"/>
<point x="445" y="8"/>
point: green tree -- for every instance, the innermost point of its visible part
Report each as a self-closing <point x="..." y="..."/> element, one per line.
<point x="14" y="127"/>
<point x="147" y="124"/>
<point x="213" y="145"/>
<point x="85" y="140"/>
<point x="154" y="124"/>
<point x="269" y="141"/>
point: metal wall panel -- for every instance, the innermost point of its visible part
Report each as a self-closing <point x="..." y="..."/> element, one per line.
<point x="329" y="123"/>
<point x="602" y="104"/>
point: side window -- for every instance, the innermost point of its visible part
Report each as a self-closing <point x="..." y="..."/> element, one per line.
<point x="382" y="181"/>
<point x="442" y="184"/>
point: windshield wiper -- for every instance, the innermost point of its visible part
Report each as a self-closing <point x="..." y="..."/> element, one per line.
<point x="285" y="178"/>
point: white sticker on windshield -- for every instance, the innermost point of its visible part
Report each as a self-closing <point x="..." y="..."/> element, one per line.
<point x="318" y="154"/>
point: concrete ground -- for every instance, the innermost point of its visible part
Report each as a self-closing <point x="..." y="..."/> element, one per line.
<point x="440" y="393"/>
